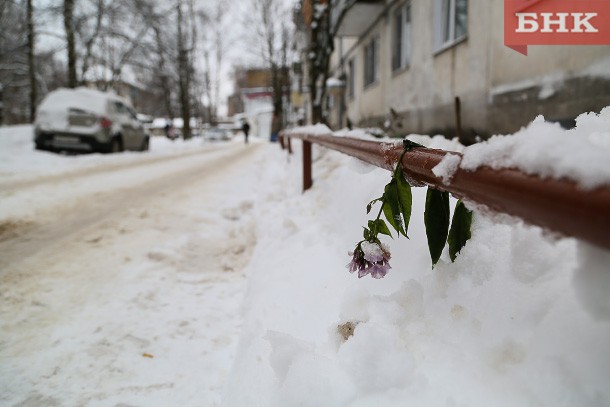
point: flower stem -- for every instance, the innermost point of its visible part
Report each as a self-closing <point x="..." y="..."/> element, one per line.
<point x="394" y="174"/>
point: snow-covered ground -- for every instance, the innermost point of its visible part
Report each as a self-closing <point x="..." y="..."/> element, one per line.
<point x="234" y="287"/>
<point x="122" y="275"/>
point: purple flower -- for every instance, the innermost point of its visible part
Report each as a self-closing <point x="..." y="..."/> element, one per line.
<point x="370" y="258"/>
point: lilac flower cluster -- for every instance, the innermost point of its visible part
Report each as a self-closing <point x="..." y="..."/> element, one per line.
<point x="370" y="258"/>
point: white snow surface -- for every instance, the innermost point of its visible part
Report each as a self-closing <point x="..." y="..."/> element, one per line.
<point x="447" y="167"/>
<point x="545" y="149"/>
<point x="373" y="252"/>
<point x="83" y="98"/>
<point x="521" y="317"/>
<point x="19" y="162"/>
<point x="315" y="129"/>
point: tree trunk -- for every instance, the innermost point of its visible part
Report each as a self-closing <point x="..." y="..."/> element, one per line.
<point x="278" y="108"/>
<point x="183" y="78"/>
<point x="321" y="39"/>
<point x="91" y="41"/>
<point x="69" y="28"/>
<point x="167" y="94"/>
<point x="316" y="114"/>
<point x="31" y="67"/>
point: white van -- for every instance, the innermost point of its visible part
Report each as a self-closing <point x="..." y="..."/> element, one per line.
<point x="85" y="119"/>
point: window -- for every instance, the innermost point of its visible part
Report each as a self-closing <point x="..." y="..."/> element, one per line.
<point x="401" y="53"/>
<point x="132" y="113"/>
<point x="371" y="59"/>
<point x="451" y="21"/>
<point x="120" y="108"/>
<point x="351" y="78"/>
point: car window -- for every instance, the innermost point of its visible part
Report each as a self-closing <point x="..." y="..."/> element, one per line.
<point x="132" y="113"/>
<point x="120" y="108"/>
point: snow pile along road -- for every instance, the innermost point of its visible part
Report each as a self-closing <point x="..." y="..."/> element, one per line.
<point x="519" y="319"/>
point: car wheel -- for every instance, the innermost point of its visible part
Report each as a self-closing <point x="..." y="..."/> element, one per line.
<point x="116" y="145"/>
<point x="145" y="144"/>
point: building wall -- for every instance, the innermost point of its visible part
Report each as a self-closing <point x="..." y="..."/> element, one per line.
<point x="500" y="90"/>
<point x="559" y="82"/>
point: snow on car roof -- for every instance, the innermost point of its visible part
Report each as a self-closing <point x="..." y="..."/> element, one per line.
<point x="83" y="98"/>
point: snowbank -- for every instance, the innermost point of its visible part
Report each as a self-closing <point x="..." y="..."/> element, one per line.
<point x="316" y="129"/>
<point x="19" y="160"/>
<point x="519" y="319"/>
<point x="581" y="154"/>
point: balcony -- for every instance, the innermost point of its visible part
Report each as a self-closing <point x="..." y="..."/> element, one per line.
<point x="351" y="18"/>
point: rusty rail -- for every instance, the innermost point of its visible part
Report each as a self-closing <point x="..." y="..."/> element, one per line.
<point x="557" y="205"/>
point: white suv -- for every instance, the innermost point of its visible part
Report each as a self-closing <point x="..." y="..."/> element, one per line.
<point x="85" y="119"/>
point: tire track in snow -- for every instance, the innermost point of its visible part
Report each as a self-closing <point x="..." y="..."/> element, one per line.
<point x="50" y="228"/>
<point x="94" y="285"/>
<point x="12" y="186"/>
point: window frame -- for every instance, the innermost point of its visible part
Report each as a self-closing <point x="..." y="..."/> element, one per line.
<point x="371" y="61"/>
<point x="351" y="78"/>
<point x="402" y="30"/>
<point x="120" y="107"/>
<point x="445" y="35"/>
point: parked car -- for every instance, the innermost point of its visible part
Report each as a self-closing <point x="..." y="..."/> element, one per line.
<point x="84" y="119"/>
<point x="217" y="134"/>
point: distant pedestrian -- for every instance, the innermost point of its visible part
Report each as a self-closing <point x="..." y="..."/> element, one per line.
<point x="245" y="127"/>
<point x="276" y="126"/>
<point x="170" y="132"/>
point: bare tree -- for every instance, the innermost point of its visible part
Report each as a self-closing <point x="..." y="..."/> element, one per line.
<point x="31" y="54"/>
<point x="322" y="27"/>
<point x="321" y="47"/>
<point x="92" y="38"/>
<point x="14" y="68"/>
<point x="68" y="14"/>
<point x="273" y="35"/>
<point x="215" y="40"/>
<point x="106" y="35"/>
<point x="184" y="74"/>
<point x="163" y="74"/>
<point x="152" y="49"/>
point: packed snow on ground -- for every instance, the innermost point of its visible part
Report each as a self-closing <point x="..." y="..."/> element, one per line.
<point x="520" y="318"/>
<point x="143" y="307"/>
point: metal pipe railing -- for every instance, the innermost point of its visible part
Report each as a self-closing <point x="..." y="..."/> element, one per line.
<point x="557" y="205"/>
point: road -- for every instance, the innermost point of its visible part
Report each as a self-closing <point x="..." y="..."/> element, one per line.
<point x="122" y="283"/>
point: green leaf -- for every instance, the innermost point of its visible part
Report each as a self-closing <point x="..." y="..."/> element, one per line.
<point x="391" y="207"/>
<point x="370" y="205"/>
<point x="460" y="229"/>
<point x="436" y="219"/>
<point x="409" y="145"/>
<point x="379" y="226"/>
<point x="366" y="234"/>
<point x="404" y="199"/>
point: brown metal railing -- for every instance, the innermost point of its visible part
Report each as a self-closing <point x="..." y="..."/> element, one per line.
<point x="557" y="205"/>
